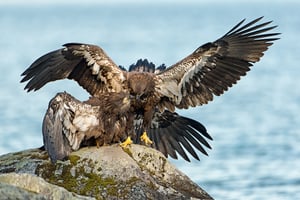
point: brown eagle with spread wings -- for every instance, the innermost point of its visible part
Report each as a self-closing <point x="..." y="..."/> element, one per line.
<point x="147" y="97"/>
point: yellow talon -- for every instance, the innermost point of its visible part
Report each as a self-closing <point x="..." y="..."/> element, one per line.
<point x="146" y="139"/>
<point x="127" y="142"/>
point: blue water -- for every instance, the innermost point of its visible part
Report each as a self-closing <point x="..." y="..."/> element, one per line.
<point x="255" y="125"/>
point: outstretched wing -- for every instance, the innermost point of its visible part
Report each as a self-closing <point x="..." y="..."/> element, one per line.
<point x="171" y="133"/>
<point x="214" y="67"/>
<point x="87" y="64"/>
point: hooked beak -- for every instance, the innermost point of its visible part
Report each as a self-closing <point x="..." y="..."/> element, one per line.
<point x="135" y="97"/>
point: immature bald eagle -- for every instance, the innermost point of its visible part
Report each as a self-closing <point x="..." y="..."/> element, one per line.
<point x="209" y="70"/>
<point x="69" y="123"/>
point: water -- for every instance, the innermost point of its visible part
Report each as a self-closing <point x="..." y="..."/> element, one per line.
<point x="255" y="125"/>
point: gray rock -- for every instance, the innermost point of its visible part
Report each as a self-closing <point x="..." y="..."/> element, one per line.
<point x="8" y="191"/>
<point x="29" y="186"/>
<point x="109" y="172"/>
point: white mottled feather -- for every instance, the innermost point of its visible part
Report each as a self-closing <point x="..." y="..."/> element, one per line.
<point x="85" y="122"/>
<point x="95" y="69"/>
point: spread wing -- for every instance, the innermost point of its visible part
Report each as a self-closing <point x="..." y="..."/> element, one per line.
<point x="171" y="133"/>
<point x="87" y="64"/>
<point x="214" y="67"/>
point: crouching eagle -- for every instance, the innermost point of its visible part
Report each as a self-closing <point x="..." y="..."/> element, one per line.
<point x="149" y="97"/>
<point x="70" y="124"/>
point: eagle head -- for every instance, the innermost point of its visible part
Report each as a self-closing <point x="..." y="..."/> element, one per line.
<point x="141" y="85"/>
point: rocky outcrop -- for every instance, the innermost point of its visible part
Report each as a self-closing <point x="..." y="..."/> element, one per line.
<point x="29" y="186"/>
<point x="109" y="172"/>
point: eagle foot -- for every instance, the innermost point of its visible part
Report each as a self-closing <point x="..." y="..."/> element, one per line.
<point x="146" y="139"/>
<point x="127" y="142"/>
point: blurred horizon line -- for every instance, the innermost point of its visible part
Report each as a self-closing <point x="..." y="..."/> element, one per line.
<point x="137" y="2"/>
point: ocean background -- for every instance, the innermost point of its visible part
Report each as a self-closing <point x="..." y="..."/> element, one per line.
<point x="255" y="125"/>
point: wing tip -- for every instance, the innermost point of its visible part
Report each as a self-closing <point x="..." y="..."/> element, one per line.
<point x="143" y="65"/>
<point x="244" y="27"/>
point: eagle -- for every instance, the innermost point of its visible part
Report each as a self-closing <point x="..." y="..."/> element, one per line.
<point x="145" y="97"/>
<point x="70" y="124"/>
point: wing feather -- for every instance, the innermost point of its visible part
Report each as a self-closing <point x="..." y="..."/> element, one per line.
<point x="172" y="133"/>
<point x="87" y="64"/>
<point x="67" y="123"/>
<point x="55" y="141"/>
<point x="214" y="67"/>
<point x="174" y="143"/>
<point x="188" y="135"/>
<point x="171" y="146"/>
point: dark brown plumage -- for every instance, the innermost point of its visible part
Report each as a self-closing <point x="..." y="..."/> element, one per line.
<point x="69" y="123"/>
<point x="153" y="95"/>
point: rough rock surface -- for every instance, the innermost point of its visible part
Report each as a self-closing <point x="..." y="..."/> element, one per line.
<point x="109" y="172"/>
<point x="29" y="186"/>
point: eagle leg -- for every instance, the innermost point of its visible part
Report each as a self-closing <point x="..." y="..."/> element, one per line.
<point x="98" y="143"/>
<point x="146" y="139"/>
<point x="127" y="142"/>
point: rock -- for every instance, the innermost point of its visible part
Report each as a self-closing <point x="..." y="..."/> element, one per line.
<point x="8" y="191"/>
<point x="29" y="186"/>
<point x="108" y="172"/>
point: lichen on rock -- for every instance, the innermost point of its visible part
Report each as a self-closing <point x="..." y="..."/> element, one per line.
<point x="108" y="172"/>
